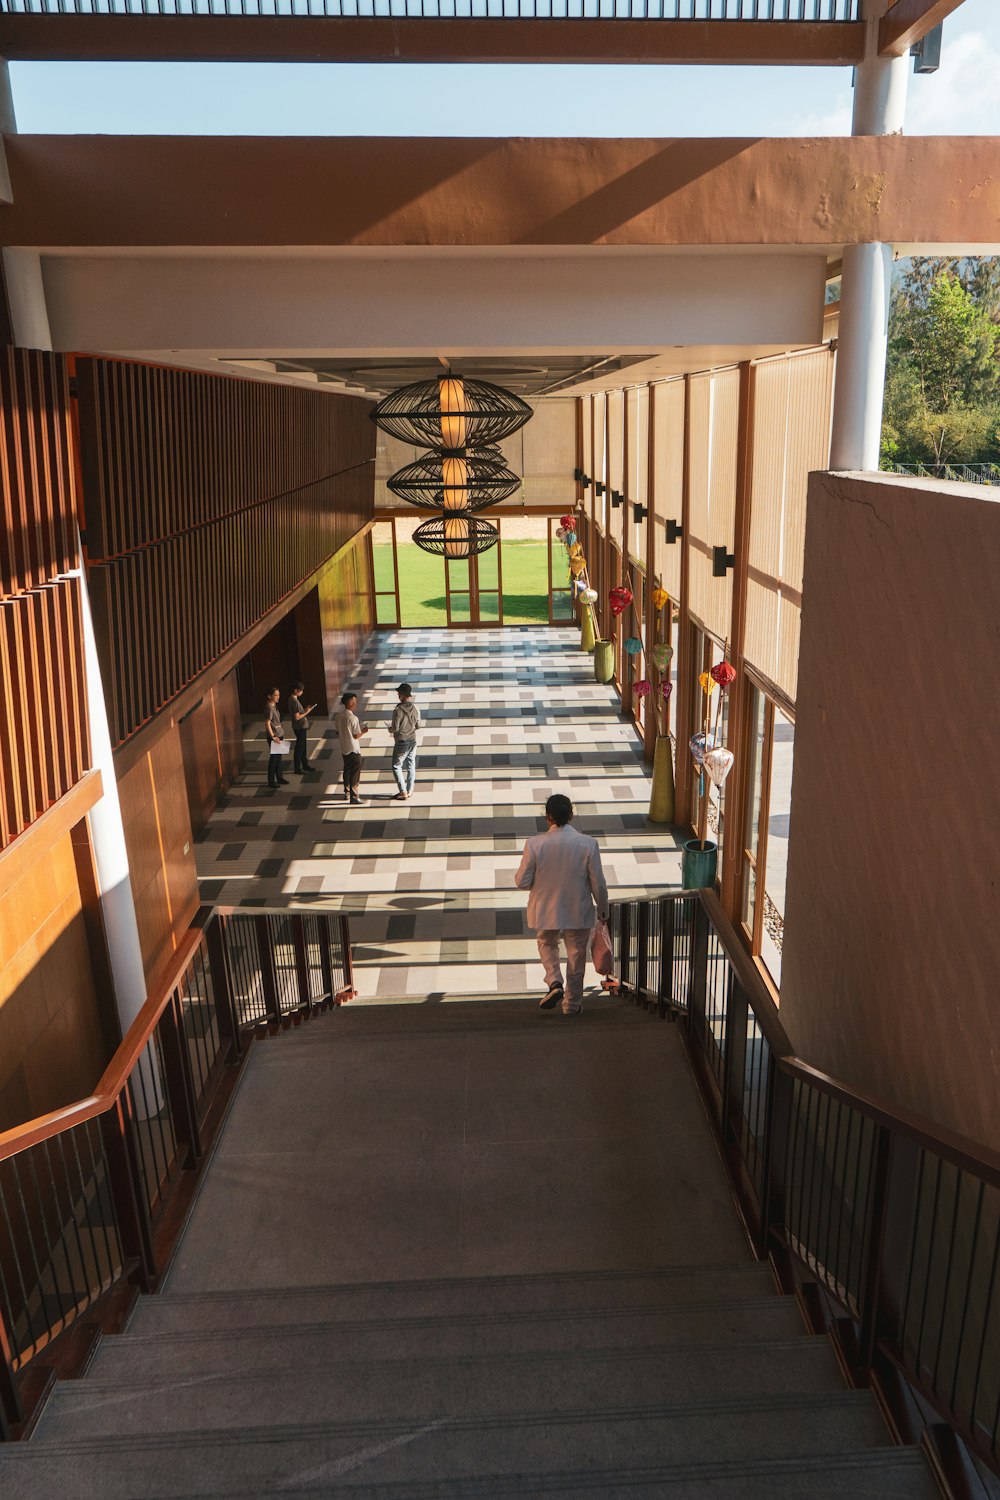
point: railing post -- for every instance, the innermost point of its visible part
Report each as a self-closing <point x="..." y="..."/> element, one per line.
<point x="345" y="943"/>
<point x="178" y="1080"/>
<point x="326" y="966"/>
<point x="735" y="1059"/>
<point x="699" y="971"/>
<point x="301" y="960"/>
<point x="871" y="1291"/>
<point x="268" y="975"/>
<point x="625" y="943"/>
<point x="666" y="987"/>
<point x="641" y="953"/>
<point x="222" y="992"/>
<point x="125" y="1182"/>
<point x="780" y="1090"/>
<point x="11" y="1410"/>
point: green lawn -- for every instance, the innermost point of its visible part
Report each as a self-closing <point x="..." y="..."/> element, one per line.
<point x="422" y="587"/>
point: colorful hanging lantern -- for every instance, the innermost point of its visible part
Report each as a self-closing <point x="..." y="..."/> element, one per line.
<point x="666" y="688"/>
<point x="662" y="655"/>
<point x="642" y="688"/>
<point x="577" y="566"/>
<point x="699" y="745"/>
<point x="632" y="645"/>
<point x="569" y="537"/>
<point x="660" y="598"/>
<point x="718" y="763"/>
<point x="589" y="596"/>
<point x="560" y="534"/>
<point x="723" y="674"/>
<point x="708" y="683"/>
<point x="619" y="599"/>
<point x="574" y="548"/>
<point x="568" y="522"/>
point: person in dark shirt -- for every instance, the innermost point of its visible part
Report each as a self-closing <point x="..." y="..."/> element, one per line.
<point x="275" y="735"/>
<point x="299" y="715"/>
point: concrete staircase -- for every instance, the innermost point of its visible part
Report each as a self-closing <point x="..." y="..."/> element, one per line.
<point x="687" y="1381"/>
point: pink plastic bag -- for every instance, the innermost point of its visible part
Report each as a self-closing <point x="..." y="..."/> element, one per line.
<point x="600" y="949"/>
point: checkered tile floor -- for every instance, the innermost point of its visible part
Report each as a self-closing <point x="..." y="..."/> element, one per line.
<point x="509" y="717"/>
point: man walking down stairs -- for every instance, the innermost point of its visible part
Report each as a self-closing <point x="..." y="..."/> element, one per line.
<point x="446" y="1250"/>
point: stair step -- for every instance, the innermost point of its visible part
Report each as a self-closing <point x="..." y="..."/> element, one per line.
<point x="423" y="1388"/>
<point x="306" y="1346"/>
<point x="456" y="1295"/>
<point x="451" y="1448"/>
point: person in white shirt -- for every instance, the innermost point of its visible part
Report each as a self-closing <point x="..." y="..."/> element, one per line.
<point x="349" y="732"/>
<point x="404" y="728"/>
<point x="561" y="871"/>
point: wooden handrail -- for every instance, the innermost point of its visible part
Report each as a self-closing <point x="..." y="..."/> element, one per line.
<point x="116" y="1075"/>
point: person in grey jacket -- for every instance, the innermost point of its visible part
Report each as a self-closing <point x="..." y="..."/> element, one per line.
<point x="405" y="727"/>
<point x="561" y="871"/>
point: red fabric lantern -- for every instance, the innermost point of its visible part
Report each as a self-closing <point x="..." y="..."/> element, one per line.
<point x="619" y="599"/>
<point x="568" y="521"/>
<point x="723" y="674"/>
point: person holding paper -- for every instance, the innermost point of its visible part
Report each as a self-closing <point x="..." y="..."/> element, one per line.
<point x="275" y="736"/>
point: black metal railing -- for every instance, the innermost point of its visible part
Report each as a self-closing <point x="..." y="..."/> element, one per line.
<point x="521" y="10"/>
<point x="893" y="1217"/>
<point x="84" y="1193"/>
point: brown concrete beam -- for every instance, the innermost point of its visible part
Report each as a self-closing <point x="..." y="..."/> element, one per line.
<point x="907" y="21"/>
<point x="80" y="191"/>
<point x="427" y="39"/>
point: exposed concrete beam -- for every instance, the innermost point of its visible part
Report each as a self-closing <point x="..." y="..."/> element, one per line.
<point x="369" y="39"/>
<point x="135" y="191"/>
<point x="907" y="21"/>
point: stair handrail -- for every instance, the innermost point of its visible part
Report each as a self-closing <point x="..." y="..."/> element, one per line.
<point x="886" y="1216"/>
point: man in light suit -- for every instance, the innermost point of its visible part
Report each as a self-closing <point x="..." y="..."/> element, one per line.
<point x="561" y="869"/>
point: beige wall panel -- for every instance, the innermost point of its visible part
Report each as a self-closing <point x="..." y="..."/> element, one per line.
<point x="789" y="627"/>
<point x="810" y="405"/>
<point x="616" y="430"/>
<point x="668" y="416"/>
<point x="637" y="489"/>
<point x="762" y="628"/>
<point x="601" y="457"/>
<point x="548" y="445"/>
<point x="770" y="449"/>
<point x="390" y="455"/>
<point x="892" y="919"/>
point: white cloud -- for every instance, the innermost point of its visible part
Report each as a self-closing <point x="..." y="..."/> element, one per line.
<point x="962" y="97"/>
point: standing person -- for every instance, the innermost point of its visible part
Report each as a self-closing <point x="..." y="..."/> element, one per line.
<point x="349" y="731"/>
<point x="299" y="715"/>
<point x="275" y="735"/>
<point x="561" y="870"/>
<point x="405" y="727"/>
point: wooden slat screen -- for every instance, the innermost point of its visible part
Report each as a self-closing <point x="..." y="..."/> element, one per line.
<point x="616" y="430"/>
<point x="44" y="741"/>
<point x="600" y="458"/>
<point x="714" y="425"/>
<point x="207" y="501"/>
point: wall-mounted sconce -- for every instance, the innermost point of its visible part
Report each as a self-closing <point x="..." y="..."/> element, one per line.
<point x="639" y="512"/>
<point x="599" y="488"/>
<point x="616" y="499"/>
<point x="581" y="478"/>
<point x="674" y="531"/>
<point x="722" y="561"/>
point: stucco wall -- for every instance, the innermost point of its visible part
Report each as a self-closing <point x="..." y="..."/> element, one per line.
<point x="892" y="923"/>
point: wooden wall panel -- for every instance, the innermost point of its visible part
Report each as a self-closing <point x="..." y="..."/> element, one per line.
<point x="212" y="749"/>
<point x="208" y="500"/>
<point x="44" y="745"/>
<point x="52" y="1047"/>
<point x="158" y="837"/>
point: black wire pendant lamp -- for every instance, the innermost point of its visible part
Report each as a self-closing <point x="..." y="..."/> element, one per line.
<point x="456" y="534"/>
<point x="451" y="412"/>
<point x="450" y="481"/>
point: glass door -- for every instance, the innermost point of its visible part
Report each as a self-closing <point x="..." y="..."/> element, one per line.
<point x="474" y="589"/>
<point x="384" y="562"/>
<point x="562" y="610"/>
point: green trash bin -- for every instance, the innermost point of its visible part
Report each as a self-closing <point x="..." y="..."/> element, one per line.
<point x="604" y="661"/>
<point x="698" y="865"/>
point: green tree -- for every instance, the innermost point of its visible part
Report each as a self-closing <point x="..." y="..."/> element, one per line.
<point x="943" y="374"/>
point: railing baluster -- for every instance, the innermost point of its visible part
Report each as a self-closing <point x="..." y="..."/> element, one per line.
<point x="125" y="1181"/>
<point x="265" y="963"/>
<point x="177" y="1079"/>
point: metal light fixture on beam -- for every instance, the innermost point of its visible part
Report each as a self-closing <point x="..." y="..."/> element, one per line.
<point x="454" y="481"/>
<point x="451" y="412"/>
<point x="674" y="531"/>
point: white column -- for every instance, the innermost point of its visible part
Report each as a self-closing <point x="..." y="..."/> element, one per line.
<point x="107" y="834"/>
<point x="866" y="279"/>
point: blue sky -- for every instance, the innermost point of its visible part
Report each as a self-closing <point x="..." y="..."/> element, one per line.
<point x="307" y="99"/>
